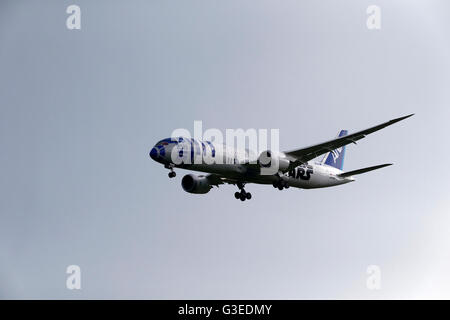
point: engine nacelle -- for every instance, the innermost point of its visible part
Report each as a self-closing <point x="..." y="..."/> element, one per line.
<point x="195" y="184"/>
<point x="270" y="159"/>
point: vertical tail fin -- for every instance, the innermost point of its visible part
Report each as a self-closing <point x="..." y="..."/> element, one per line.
<point x="335" y="158"/>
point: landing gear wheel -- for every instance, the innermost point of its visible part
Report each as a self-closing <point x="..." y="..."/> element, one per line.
<point x="242" y="195"/>
<point x="280" y="187"/>
<point x="172" y="174"/>
<point x="275" y="184"/>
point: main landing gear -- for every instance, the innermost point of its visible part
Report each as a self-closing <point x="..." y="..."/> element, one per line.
<point x="281" y="184"/>
<point x="172" y="174"/>
<point x="243" y="195"/>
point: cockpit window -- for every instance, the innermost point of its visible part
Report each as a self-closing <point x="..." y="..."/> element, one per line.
<point x="167" y="141"/>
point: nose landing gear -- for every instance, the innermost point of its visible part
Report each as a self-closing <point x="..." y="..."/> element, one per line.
<point x="242" y="195"/>
<point x="172" y="174"/>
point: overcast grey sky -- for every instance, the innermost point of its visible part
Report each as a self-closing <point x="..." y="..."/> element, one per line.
<point x="80" y="109"/>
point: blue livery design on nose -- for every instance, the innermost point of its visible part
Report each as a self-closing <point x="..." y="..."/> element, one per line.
<point x="162" y="151"/>
<point x="159" y="151"/>
<point x="154" y="154"/>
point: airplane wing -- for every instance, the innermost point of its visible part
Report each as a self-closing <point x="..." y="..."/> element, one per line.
<point x="303" y="155"/>
<point x="215" y="180"/>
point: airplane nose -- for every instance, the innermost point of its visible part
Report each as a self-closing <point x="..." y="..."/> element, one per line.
<point x="154" y="153"/>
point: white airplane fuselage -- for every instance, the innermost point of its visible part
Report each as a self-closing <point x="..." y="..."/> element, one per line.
<point x="205" y="156"/>
<point x="296" y="168"/>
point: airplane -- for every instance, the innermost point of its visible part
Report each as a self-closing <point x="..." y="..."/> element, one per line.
<point x="295" y="168"/>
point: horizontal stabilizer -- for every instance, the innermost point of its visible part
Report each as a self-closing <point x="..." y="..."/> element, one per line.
<point x="363" y="170"/>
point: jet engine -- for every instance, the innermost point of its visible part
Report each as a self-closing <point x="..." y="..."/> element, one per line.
<point x="271" y="159"/>
<point x="195" y="184"/>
